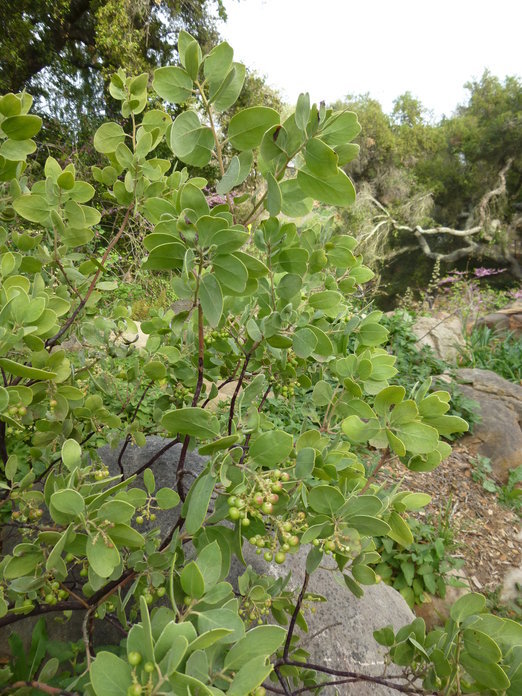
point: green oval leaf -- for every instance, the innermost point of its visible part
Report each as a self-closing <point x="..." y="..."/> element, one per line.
<point x="192" y="421"/>
<point x="172" y="84"/>
<point x="108" y="137"/>
<point x="246" y="128"/>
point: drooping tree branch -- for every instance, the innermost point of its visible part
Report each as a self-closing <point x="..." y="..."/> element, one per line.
<point x="469" y="235"/>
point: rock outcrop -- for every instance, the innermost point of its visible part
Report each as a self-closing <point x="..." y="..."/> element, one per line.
<point x="498" y="435"/>
<point x="442" y="332"/>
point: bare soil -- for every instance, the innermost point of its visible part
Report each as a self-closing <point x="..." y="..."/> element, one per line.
<point x="488" y="532"/>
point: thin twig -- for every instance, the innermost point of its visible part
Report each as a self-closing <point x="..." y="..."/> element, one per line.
<point x="129" y="438"/>
<point x="355" y="676"/>
<point x="381" y="463"/>
<point x="50" y="342"/>
<point x="297" y="609"/>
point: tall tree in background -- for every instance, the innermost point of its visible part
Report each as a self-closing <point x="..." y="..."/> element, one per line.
<point x="70" y="47"/>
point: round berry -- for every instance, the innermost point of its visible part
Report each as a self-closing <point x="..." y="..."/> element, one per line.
<point x="134" y="658"/>
<point x="232" y="501"/>
<point x="294" y="540"/>
<point x="280" y="557"/>
<point x="161" y="591"/>
<point x="149" y="667"/>
<point x="268" y="556"/>
<point x="139" y="519"/>
<point x="234" y="513"/>
<point x="134" y="690"/>
<point x="267" y="508"/>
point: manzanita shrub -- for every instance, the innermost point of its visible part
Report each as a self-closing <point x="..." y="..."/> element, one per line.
<point x="268" y="305"/>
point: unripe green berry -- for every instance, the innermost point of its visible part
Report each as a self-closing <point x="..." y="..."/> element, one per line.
<point x="134" y="690"/>
<point x="267" y="508"/>
<point x="280" y="557"/>
<point x="149" y="667"/>
<point x="268" y="556"/>
<point x="139" y="519"/>
<point x="134" y="658"/>
<point x="234" y="513"/>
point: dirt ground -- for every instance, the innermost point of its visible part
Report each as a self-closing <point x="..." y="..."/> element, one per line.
<point x="488" y="532"/>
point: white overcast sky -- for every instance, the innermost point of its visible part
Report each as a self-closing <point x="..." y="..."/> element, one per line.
<point x="332" y="48"/>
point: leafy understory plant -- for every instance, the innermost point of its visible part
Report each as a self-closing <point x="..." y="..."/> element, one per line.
<point x="268" y="306"/>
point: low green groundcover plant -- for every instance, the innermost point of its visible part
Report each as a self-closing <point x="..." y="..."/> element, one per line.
<point x="422" y="569"/>
<point x="268" y="306"/>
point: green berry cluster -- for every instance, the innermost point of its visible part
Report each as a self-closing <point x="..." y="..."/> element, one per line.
<point x="214" y="336"/>
<point x="288" y="390"/>
<point x="15" y="411"/>
<point x="151" y="593"/>
<point x="181" y="393"/>
<point x="291" y="358"/>
<point x="101" y="474"/>
<point x="255" y="611"/>
<point x="135" y="659"/>
<point x="337" y="544"/>
<point x="51" y="593"/>
<point x="261" y="498"/>
<point x="29" y="509"/>
<point x="282" y="535"/>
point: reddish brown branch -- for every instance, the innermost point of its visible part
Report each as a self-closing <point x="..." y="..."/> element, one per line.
<point x="54" y="339"/>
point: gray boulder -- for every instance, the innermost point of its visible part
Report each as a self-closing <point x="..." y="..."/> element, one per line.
<point x="507" y="319"/>
<point x="498" y="435"/>
<point x="344" y="624"/>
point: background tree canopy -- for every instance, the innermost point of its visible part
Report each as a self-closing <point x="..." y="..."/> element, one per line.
<point x="457" y="180"/>
<point x="64" y="50"/>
